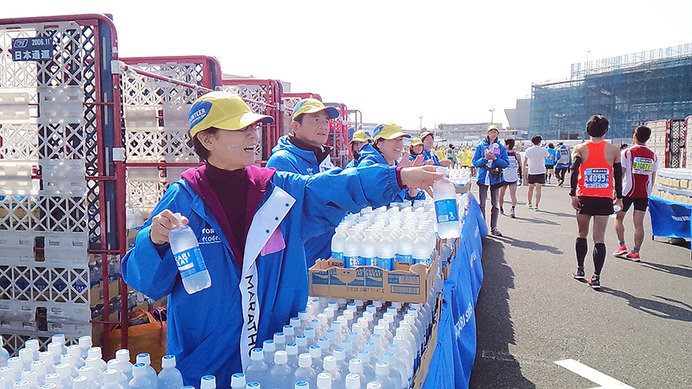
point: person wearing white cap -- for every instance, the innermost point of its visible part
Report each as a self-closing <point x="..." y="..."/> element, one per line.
<point x="490" y="158"/>
<point x="251" y="223"/>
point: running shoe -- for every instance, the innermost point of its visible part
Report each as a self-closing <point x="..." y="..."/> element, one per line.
<point x="511" y="213"/>
<point x="594" y="283"/>
<point x="495" y="232"/>
<point x="622" y="250"/>
<point x="535" y="207"/>
<point x="502" y="211"/>
<point x="529" y="206"/>
<point x="632" y="256"/>
<point x="579" y="274"/>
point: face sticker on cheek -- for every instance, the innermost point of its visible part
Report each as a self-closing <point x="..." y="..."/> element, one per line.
<point x="232" y="147"/>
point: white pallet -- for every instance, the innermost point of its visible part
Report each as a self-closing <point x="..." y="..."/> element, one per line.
<point x="15" y="178"/>
<point x="63" y="177"/>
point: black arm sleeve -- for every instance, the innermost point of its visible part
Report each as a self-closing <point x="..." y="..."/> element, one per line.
<point x="574" y="178"/>
<point x="617" y="175"/>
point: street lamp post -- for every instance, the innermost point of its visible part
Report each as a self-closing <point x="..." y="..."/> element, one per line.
<point x="492" y="113"/>
<point x="559" y="117"/>
<point x="420" y="127"/>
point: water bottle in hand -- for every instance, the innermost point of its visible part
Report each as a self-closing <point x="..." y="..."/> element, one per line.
<point x="188" y="258"/>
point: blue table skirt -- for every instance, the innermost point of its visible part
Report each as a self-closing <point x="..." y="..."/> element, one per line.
<point x="669" y="218"/>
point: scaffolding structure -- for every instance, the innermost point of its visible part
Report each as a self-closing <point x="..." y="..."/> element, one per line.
<point x="629" y="90"/>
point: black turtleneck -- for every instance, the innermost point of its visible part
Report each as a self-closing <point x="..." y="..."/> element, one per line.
<point x="230" y="187"/>
<point x="321" y="152"/>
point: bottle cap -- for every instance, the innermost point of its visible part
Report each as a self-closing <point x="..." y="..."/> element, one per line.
<point x="324" y="380"/>
<point x="315" y="351"/>
<point x="382" y="368"/>
<point x="339" y="354"/>
<point x="288" y="330"/>
<point x="291" y="349"/>
<point x="301" y="385"/>
<point x="144" y="358"/>
<point x="280" y="357"/>
<point x="269" y="346"/>
<point x="123" y="354"/>
<point x="295" y="321"/>
<point x="304" y="360"/>
<point x="257" y="354"/>
<point x="139" y="370"/>
<point x="279" y="338"/>
<point x="364" y="356"/>
<point x="374" y="385"/>
<point x="96" y="352"/>
<point x="250" y="385"/>
<point x="168" y="361"/>
<point x="208" y="382"/>
<point x="355" y="365"/>
<point x="301" y="341"/>
<point x="329" y="362"/>
<point x="84" y="342"/>
<point x="353" y="381"/>
<point x="238" y="380"/>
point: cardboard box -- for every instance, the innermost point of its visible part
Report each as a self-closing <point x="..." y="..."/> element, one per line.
<point x="409" y="285"/>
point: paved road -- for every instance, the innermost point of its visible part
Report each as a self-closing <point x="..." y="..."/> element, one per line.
<point x="637" y="330"/>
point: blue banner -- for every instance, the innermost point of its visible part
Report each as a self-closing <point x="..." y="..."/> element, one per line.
<point x="670" y="219"/>
<point x="455" y="351"/>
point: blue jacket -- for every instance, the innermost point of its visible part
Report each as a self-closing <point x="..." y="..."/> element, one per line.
<point x="479" y="161"/>
<point x="428" y="154"/>
<point x="370" y="156"/>
<point x="564" y="157"/>
<point x="553" y="157"/>
<point x="204" y="329"/>
<point x="287" y="157"/>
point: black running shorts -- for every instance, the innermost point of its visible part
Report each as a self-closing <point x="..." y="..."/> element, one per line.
<point x="595" y="206"/>
<point x="640" y="204"/>
<point x="537" y="178"/>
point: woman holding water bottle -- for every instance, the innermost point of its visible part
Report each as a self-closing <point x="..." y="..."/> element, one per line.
<point x="490" y="158"/>
<point x="251" y="224"/>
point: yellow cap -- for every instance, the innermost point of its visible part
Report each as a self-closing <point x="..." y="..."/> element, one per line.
<point x="360" y="136"/>
<point x="311" y="105"/>
<point x="223" y="110"/>
<point x="492" y="127"/>
<point x="389" y="131"/>
<point x="426" y="133"/>
<point x="416" y="142"/>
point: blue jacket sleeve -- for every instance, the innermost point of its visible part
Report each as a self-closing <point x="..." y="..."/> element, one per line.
<point x="148" y="268"/>
<point x="478" y="157"/>
<point x="503" y="160"/>
<point x="282" y="160"/>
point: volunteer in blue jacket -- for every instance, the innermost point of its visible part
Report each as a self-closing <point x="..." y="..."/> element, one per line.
<point x="304" y="152"/>
<point x="429" y="158"/>
<point x="251" y="223"/>
<point x="359" y="139"/>
<point x="490" y="158"/>
<point x="387" y="148"/>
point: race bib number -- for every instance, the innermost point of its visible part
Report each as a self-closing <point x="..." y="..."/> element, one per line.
<point x="642" y="165"/>
<point x="596" y="178"/>
<point x="513" y="163"/>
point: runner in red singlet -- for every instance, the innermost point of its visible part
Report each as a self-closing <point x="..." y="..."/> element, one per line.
<point x="596" y="174"/>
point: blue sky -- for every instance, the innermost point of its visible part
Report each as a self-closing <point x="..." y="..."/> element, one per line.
<point x="395" y="61"/>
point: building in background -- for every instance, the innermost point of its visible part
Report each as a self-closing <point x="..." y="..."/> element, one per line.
<point x="519" y="118"/>
<point x="628" y="89"/>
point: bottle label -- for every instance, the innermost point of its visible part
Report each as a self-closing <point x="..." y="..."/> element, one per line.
<point x="446" y="210"/>
<point x="190" y="262"/>
<point x="351" y="262"/>
<point x="405" y="259"/>
<point x="384" y="263"/>
<point x="337" y="255"/>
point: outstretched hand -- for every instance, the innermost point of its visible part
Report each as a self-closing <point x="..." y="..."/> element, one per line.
<point x="420" y="176"/>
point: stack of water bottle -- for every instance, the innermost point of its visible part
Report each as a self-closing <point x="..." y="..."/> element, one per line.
<point x="80" y="366"/>
<point x="385" y="237"/>
<point x="343" y="344"/>
<point x="460" y="176"/>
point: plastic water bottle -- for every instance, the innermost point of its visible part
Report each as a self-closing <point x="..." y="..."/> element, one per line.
<point x="94" y="359"/>
<point x="145" y="358"/>
<point x="238" y="381"/>
<point x="367" y="253"/>
<point x="338" y="241"/>
<point x="352" y="250"/>
<point x="448" y="224"/>
<point x="257" y="369"/>
<point x="305" y="371"/>
<point x="123" y="355"/>
<point x="330" y="366"/>
<point x="404" y="248"/>
<point x="397" y="370"/>
<point x="208" y="382"/>
<point x="382" y="376"/>
<point x="280" y="374"/>
<point x="169" y="377"/>
<point x="250" y="385"/>
<point x="188" y="257"/>
<point x="386" y="252"/>
<point x="355" y="366"/>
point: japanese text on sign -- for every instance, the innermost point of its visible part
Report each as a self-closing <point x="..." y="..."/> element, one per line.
<point x="32" y="49"/>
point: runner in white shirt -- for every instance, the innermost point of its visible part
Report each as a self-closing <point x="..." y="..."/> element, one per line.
<point x="534" y="169"/>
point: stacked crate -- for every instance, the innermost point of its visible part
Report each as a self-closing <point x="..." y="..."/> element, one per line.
<point x="57" y="193"/>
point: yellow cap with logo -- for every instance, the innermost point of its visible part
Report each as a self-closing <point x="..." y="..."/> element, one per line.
<point x="223" y="110"/>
